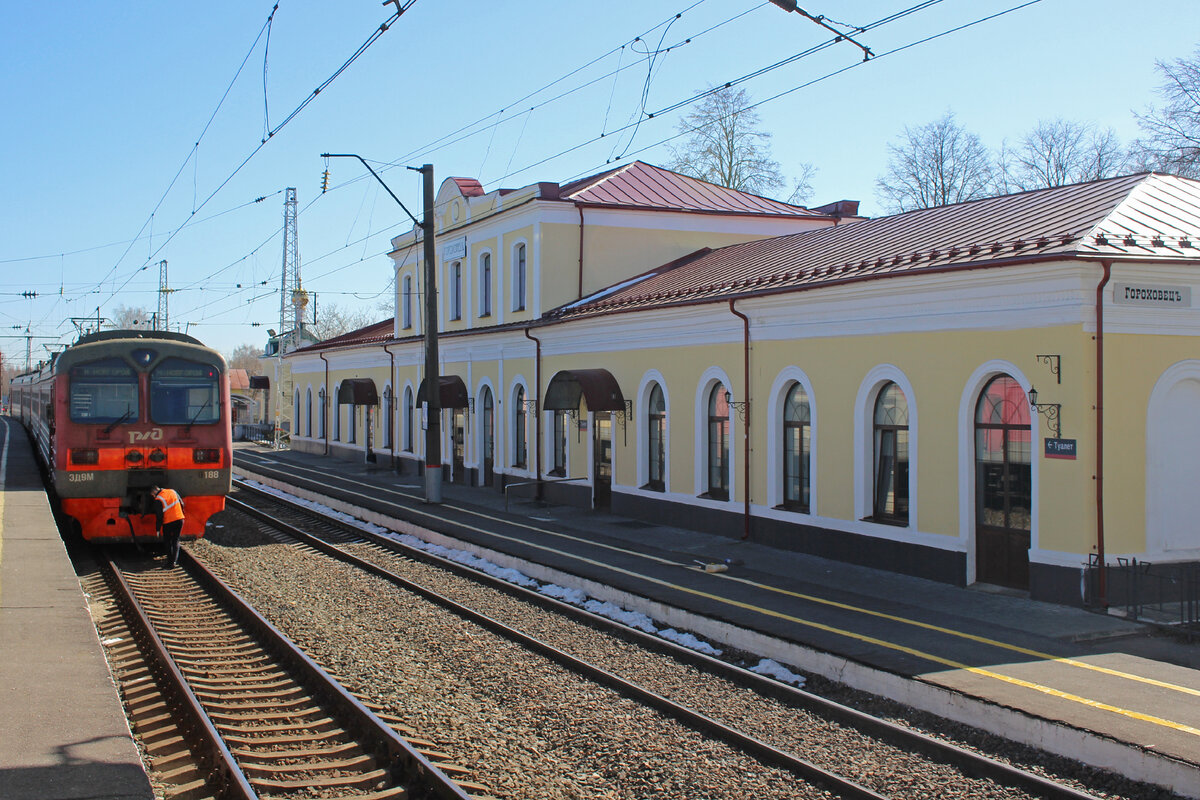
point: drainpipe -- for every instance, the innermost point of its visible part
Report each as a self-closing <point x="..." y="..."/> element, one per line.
<point x="392" y="411"/>
<point x="1102" y="587"/>
<point x="325" y="410"/>
<point x="537" y="400"/>
<point x="746" y="417"/>
<point x="580" y="209"/>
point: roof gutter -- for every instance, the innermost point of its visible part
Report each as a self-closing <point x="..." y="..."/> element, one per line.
<point x="325" y="409"/>
<point x="745" y="417"/>
<point x="391" y="410"/>
<point x="579" y="207"/>
<point x="537" y="416"/>
<point x="1102" y="583"/>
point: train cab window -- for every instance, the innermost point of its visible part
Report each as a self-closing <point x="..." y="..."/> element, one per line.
<point x="185" y="393"/>
<point x="104" y="391"/>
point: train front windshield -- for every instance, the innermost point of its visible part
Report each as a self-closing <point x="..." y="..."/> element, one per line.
<point x="185" y="393"/>
<point x="104" y="391"/>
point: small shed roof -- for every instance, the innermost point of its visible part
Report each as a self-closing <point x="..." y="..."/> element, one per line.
<point x="452" y="392"/>
<point x="358" y="391"/>
<point x="597" y="386"/>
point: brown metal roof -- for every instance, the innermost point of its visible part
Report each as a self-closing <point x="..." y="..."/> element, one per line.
<point x="371" y="334"/>
<point x="1136" y="216"/>
<point x="642" y="185"/>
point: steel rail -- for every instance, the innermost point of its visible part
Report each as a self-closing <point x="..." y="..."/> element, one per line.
<point x="407" y="765"/>
<point x="969" y="762"/>
<point x="764" y="752"/>
<point x="210" y="747"/>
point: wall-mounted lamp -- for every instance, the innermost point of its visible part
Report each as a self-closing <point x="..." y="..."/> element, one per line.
<point x="1050" y="410"/>
<point x="740" y="407"/>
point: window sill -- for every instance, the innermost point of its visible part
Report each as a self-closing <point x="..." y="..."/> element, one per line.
<point x="793" y="509"/>
<point x="721" y="498"/>
<point x="892" y="521"/>
<point x="653" y="487"/>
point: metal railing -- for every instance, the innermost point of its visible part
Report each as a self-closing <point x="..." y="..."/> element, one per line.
<point x="1166" y="594"/>
<point x="541" y="482"/>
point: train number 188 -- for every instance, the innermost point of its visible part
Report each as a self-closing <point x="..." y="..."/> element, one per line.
<point x="211" y="474"/>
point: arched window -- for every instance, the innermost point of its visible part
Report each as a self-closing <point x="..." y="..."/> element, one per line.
<point x="307" y="412"/>
<point x="1003" y="483"/>
<point x="321" y="412"/>
<point x="456" y="290"/>
<point x="389" y="412"/>
<point x="488" y="420"/>
<point x="352" y="423"/>
<point x="485" y="285"/>
<point x="406" y="303"/>
<point x="656" y="429"/>
<point x="408" y="419"/>
<point x="519" y="277"/>
<point x="718" y="443"/>
<point x="891" y="456"/>
<point x="520" y="441"/>
<point x="797" y="449"/>
<point x="337" y="414"/>
<point x="296" y="412"/>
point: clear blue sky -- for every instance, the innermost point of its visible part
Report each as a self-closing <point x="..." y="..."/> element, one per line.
<point x="104" y="102"/>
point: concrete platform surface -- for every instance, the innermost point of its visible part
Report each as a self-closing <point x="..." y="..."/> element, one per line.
<point x="63" y="732"/>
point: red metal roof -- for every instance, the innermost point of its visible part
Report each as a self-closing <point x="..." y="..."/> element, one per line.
<point x="371" y="334"/>
<point x="470" y="187"/>
<point x="642" y="185"/>
<point x="1137" y="216"/>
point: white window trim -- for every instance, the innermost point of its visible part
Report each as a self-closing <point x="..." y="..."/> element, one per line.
<point x="526" y="303"/>
<point x="775" y="404"/>
<point x="642" y="417"/>
<point x="486" y="293"/>
<point x="711" y="377"/>
<point x="864" y="447"/>
<point x="510" y="425"/>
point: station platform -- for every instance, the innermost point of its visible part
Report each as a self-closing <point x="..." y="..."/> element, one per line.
<point x="1096" y="688"/>
<point x="63" y="732"/>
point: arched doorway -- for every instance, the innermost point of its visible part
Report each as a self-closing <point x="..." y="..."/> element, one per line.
<point x="1173" y="461"/>
<point x="1003" y="484"/>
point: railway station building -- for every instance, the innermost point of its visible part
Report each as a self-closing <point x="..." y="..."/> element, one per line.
<point x="1002" y="391"/>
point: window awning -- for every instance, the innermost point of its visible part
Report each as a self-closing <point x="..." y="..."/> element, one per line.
<point x="358" y="391"/>
<point x="452" y="392"/>
<point x="597" y="386"/>
<point x="260" y="382"/>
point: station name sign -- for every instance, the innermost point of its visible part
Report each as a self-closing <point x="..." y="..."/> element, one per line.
<point x="456" y="248"/>
<point x="1146" y="294"/>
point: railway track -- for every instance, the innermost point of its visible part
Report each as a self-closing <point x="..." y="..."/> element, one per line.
<point x="380" y="555"/>
<point x="224" y="706"/>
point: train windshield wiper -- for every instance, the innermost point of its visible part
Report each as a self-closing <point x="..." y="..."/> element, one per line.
<point x="188" y="427"/>
<point x="128" y="413"/>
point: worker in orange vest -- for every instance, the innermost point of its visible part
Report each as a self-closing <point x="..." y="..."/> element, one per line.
<point x="169" y="518"/>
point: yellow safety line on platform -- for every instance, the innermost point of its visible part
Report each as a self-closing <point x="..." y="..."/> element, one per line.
<point x="809" y="623"/>
<point x="3" y="477"/>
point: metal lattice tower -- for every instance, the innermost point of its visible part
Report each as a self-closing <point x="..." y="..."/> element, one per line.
<point x="291" y="310"/>
<point x="161" y="320"/>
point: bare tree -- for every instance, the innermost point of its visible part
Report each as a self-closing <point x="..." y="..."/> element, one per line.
<point x="1057" y="152"/>
<point x="124" y="318"/>
<point x="1172" y="142"/>
<point x="335" y="320"/>
<point x="726" y="145"/>
<point x="933" y="165"/>
<point x="245" y="356"/>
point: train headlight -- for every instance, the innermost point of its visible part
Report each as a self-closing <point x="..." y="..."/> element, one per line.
<point x="206" y="455"/>
<point x="81" y="455"/>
